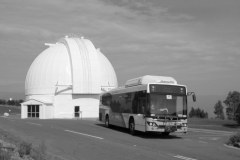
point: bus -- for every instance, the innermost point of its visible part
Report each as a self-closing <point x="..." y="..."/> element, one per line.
<point x="147" y="104"/>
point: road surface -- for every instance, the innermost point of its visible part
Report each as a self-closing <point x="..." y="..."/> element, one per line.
<point x="90" y="140"/>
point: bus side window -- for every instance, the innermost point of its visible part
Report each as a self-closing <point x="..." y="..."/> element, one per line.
<point x="103" y="100"/>
<point x="135" y="103"/>
<point x="142" y="97"/>
<point x="142" y="105"/>
<point x="106" y="99"/>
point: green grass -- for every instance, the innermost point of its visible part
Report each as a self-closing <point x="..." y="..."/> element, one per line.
<point x="215" y="124"/>
<point x="211" y="121"/>
<point x="13" y="109"/>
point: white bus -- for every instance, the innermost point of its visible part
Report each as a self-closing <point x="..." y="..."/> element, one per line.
<point x="148" y="104"/>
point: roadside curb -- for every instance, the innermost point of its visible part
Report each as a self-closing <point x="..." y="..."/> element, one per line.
<point x="232" y="147"/>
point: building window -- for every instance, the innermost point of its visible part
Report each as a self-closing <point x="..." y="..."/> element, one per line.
<point x="33" y="111"/>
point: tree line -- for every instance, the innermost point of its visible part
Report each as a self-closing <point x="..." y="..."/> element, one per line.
<point x="11" y="102"/>
<point x="197" y="113"/>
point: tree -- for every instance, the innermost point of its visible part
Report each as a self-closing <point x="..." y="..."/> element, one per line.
<point x="192" y="112"/>
<point x="3" y="101"/>
<point x="218" y="110"/>
<point x="198" y="113"/>
<point x="232" y="102"/>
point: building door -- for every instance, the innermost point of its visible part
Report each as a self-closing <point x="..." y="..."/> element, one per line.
<point x="33" y="111"/>
<point x="77" y="111"/>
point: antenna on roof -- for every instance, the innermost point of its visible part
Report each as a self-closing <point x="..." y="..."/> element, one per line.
<point x="49" y="44"/>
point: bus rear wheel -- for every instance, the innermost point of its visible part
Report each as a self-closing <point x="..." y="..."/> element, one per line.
<point x="107" y="121"/>
<point x="132" y="127"/>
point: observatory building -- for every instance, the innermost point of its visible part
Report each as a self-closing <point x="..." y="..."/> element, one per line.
<point x="66" y="79"/>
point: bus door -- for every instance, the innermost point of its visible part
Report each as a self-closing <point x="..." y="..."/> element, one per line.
<point x="140" y="117"/>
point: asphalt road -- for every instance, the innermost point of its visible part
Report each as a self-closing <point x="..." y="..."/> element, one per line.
<point x="90" y="140"/>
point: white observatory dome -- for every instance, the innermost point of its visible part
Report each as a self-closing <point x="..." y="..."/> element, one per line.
<point x="66" y="79"/>
<point x="68" y="63"/>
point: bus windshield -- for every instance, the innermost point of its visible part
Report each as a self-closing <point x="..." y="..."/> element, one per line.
<point x="163" y="105"/>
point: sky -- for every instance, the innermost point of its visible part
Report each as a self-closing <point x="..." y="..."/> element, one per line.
<point x="195" y="41"/>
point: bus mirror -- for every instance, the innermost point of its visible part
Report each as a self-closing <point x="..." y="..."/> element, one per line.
<point x="193" y="96"/>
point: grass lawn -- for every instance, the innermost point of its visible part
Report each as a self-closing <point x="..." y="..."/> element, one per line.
<point x="215" y="124"/>
<point x="13" y="110"/>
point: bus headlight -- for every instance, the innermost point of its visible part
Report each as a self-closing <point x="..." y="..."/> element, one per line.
<point x="152" y="124"/>
<point x="184" y="124"/>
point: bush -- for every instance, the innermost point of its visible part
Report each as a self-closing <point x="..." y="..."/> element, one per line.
<point x="4" y="155"/>
<point x="39" y="153"/>
<point x="234" y="140"/>
<point x="24" y="149"/>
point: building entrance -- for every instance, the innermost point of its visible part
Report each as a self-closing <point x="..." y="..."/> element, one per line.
<point x="33" y="111"/>
<point x="77" y="112"/>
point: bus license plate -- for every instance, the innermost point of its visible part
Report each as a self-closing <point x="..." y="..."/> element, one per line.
<point x="170" y="128"/>
<point x="169" y="123"/>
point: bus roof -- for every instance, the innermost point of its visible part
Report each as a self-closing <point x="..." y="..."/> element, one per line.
<point x="150" y="79"/>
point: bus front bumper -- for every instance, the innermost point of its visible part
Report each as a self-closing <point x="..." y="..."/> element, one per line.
<point x="166" y="128"/>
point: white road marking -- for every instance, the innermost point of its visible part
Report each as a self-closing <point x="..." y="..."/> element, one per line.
<point x="83" y="134"/>
<point x="210" y="138"/>
<point x="185" y="158"/>
<point x="211" y="131"/>
<point x="36" y="124"/>
<point x="202" y="142"/>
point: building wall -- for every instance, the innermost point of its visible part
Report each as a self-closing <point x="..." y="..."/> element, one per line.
<point x="89" y="105"/>
<point x="64" y="105"/>
<point x="23" y="111"/>
<point x="46" y="111"/>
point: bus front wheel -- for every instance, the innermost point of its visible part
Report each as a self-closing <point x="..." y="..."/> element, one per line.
<point x="165" y="133"/>
<point x="132" y="127"/>
<point x="107" y="121"/>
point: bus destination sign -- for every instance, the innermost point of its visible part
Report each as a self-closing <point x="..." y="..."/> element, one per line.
<point x="167" y="89"/>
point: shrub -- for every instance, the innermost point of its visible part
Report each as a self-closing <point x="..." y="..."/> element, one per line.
<point x="24" y="149"/>
<point x="234" y="140"/>
<point x="39" y="153"/>
<point x="4" y="155"/>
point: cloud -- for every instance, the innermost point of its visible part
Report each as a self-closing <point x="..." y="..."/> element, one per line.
<point x="25" y="30"/>
<point x="148" y="9"/>
<point x="139" y="37"/>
